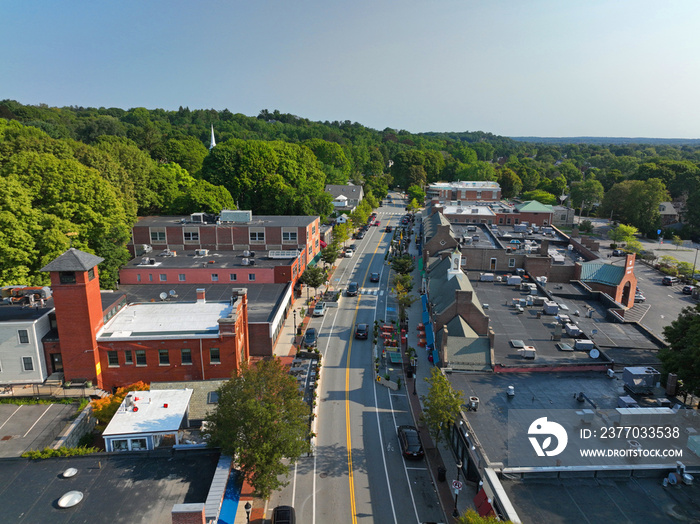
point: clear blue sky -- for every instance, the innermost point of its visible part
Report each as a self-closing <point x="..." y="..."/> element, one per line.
<point x="514" y="68"/>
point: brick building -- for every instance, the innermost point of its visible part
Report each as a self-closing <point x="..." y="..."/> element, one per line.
<point x="464" y="191"/>
<point x="102" y="338"/>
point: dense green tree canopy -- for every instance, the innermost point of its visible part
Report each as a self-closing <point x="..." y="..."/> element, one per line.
<point x="682" y="357"/>
<point x="261" y="420"/>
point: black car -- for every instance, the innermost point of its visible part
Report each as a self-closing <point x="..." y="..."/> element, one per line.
<point x="362" y="331"/>
<point x="353" y="289"/>
<point x="688" y="290"/>
<point x="387" y="229"/>
<point x="310" y="338"/>
<point x="374" y="277"/>
<point x="410" y="442"/>
<point x="284" y="515"/>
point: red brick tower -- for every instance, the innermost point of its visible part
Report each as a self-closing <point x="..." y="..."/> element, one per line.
<point x="76" y="294"/>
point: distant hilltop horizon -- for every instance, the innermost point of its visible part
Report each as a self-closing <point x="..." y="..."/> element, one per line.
<point x="607" y="140"/>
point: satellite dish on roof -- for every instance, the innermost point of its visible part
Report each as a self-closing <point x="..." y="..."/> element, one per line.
<point x="594" y="353"/>
<point x="172" y="293"/>
<point x="163" y="295"/>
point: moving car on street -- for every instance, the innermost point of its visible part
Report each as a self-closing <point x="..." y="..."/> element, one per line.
<point x="320" y="309"/>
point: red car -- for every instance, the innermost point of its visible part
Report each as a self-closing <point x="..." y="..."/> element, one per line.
<point x="377" y="223"/>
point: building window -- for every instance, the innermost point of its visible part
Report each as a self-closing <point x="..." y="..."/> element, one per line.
<point x="163" y="277"/>
<point x="191" y="236"/>
<point x="181" y="277"/>
<point x="213" y="397"/>
<point x="511" y="262"/>
<point x="138" y="444"/>
<point x="186" y="356"/>
<point x="138" y="277"/>
<point x="214" y="277"/>
<point x="120" y="445"/>
<point x="517" y="221"/>
<point x="66" y="277"/>
<point x="157" y="236"/>
<point x="128" y="357"/>
<point x="23" y="336"/>
<point x="27" y="364"/>
<point x="112" y="359"/>
<point x="150" y="277"/>
<point x="478" y="195"/>
<point x="91" y="273"/>
<point x="163" y="357"/>
<point x="257" y="236"/>
<point x="251" y="277"/>
<point x="140" y="357"/>
<point x="214" y="356"/>
<point x="233" y="277"/>
<point x="289" y="236"/>
<point x="508" y="221"/>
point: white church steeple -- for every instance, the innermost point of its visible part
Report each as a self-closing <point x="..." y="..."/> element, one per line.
<point x="213" y="140"/>
<point x="455" y="264"/>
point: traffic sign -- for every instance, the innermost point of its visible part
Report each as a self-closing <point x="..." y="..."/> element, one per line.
<point x="456" y="485"/>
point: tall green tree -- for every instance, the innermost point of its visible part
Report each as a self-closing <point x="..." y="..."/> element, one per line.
<point x="261" y="420"/>
<point x="441" y="406"/>
<point x="682" y="356"/>
<point x="585" y="194"/>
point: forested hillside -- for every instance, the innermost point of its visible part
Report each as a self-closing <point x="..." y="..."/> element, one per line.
<point x="83" y="175"/>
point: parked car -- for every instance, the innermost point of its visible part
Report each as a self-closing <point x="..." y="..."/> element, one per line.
<point x="362" y="331"/>
<point x="638" y="297"/>
<point x="348" y="252"/>
<point x="284" y="515"/>
<point x="353" y="289"/>
<point x="310" y="338"/>
<point x="320" y="309"/>
<point x="409" y="439"/>
<point x="618" y="253"/>
<point x="377" y="223"/>
<point x="669" y="281"/>
<point x="374" y="277"/>
<point x="688" y="290"/>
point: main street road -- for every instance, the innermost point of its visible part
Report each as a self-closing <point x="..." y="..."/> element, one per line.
<point x="357" y="472"/>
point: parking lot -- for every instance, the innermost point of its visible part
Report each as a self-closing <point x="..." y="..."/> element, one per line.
<point x="30" y="427"/>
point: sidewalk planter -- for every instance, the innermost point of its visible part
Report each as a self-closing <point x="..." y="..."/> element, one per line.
<point x="387" y="383"/>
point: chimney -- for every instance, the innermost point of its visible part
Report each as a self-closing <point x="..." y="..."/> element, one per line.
<point x="200" y="296"/>
<point x="443" y="347"/>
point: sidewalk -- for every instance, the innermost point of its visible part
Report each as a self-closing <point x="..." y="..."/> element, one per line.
<point x="436" y="456"/>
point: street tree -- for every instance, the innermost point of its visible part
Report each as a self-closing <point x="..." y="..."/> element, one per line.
<point x="403" y="265"/>
<point x="260" y="420"/>
<point x="415" y="192"/>
<point x="313" y="276"/>
<point x="682" y="356"/>
<point x="341" y="233"/>
<point x="472" y="517"/>
<point x="622" y="233"/>
<point x="402" y="289"/>
<point x="441" y="406"/>
<point x="330" y="253"/>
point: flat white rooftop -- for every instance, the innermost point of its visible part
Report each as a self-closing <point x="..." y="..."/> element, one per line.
<point x="145" y="412"/>
<point x="166" y="319"/>
<point x="468" y="209"/>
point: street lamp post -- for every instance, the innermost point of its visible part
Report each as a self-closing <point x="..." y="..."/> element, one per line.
<point x="247" y="507"/>
<point x="415" y="373"/>
<point x="455" y="513"/>
<point x="295" y="321"/>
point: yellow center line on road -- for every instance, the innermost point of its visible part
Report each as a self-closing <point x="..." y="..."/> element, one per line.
<point x="348" y="433"/>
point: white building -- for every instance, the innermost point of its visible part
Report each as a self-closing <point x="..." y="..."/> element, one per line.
<point x="24" y="321"/>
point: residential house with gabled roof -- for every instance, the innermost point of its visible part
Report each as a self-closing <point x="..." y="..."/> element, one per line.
<point x="346" y="197"/>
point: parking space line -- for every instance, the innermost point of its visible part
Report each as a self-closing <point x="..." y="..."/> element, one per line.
<point x="418" y="469"/>
<point x="37" y="420"/>
<point x="8" y="418"/>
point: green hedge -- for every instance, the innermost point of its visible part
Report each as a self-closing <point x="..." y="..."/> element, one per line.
<point x="60" y="452"/>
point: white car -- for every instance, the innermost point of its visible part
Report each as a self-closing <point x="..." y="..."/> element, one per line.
<point x="349" y="253"/>
<point x="320" y="309"/>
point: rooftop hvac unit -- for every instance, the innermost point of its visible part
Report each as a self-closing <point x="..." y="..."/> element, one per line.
<point x="228" y="215"/>
<point x="201" y="252"/>
<point x="252" y="261"/>
<point x="245" y="261"/>
<point x="246" y="253"/>
<point x="640" y="380"/>
<point x="146" y="248"/>
<point x="152" y="261"/>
